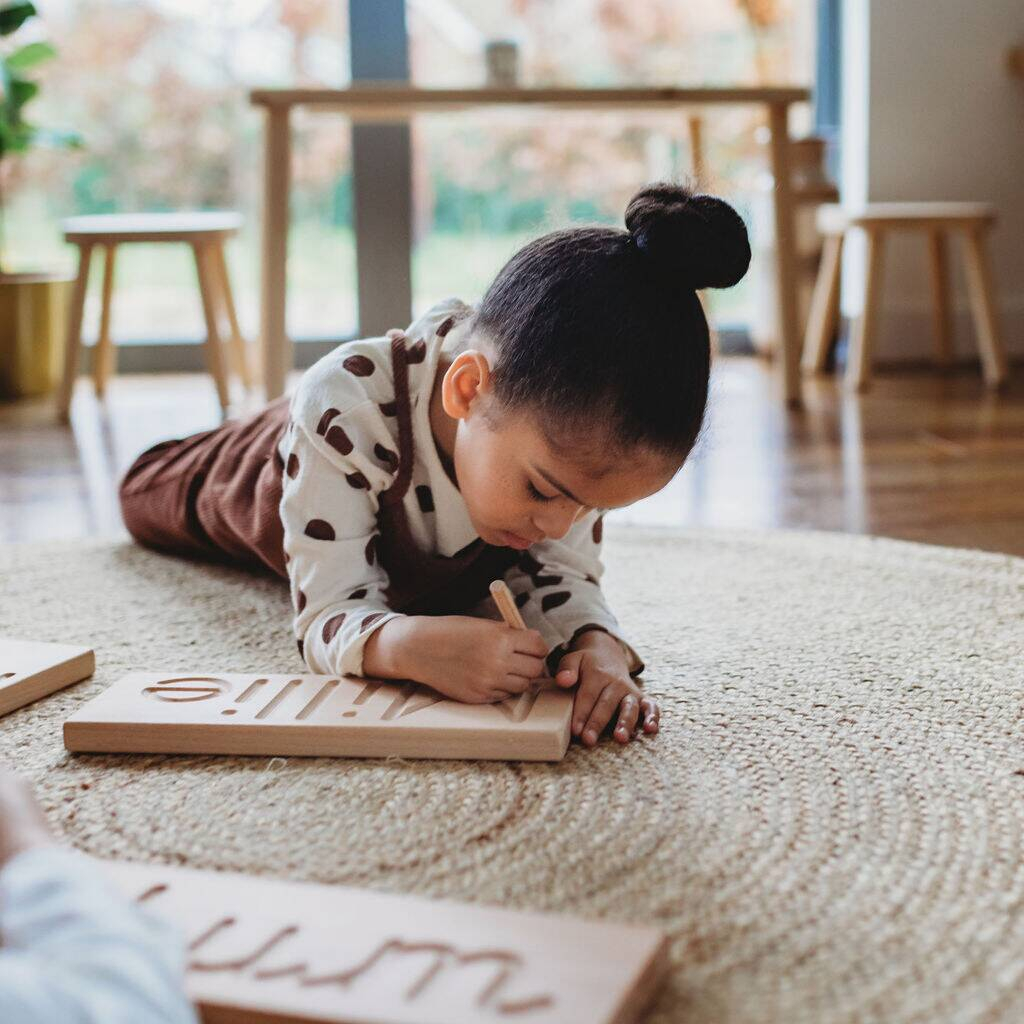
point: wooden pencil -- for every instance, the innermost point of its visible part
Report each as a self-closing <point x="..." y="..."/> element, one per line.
<point x="506" y="604"/>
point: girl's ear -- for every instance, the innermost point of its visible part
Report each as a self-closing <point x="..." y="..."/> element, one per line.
<point x="465" y="380"/>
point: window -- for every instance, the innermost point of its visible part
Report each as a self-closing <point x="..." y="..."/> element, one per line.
<point x="158" y="89"/>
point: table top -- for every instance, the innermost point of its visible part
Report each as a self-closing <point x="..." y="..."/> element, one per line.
<point x="363" y="96"/>
<point x="182" y="226"/>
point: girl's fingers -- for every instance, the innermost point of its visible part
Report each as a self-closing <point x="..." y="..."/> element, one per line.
<point x="629" y="711"/>
<point x="601" y="714"/>
<point x="586" y="698"/>
<point x="651" y="714"/>
<point x="525" y="666"/>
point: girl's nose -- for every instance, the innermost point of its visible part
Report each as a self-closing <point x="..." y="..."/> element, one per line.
<point x="555" y="523"/>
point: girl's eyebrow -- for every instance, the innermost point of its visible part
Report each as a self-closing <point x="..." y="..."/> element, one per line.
<point x="558" y="487"/>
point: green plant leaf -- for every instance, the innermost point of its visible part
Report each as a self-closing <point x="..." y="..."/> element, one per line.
<point x="13" y="16"/>
<point x="21" y="92"/>
<point x="30" y="55"/>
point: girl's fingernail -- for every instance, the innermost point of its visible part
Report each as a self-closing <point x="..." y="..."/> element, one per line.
<point x="590" y="736"/>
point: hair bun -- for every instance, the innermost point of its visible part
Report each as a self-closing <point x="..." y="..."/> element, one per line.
<point x="698" y="238"/>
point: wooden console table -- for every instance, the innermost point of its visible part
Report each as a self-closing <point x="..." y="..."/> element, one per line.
<point x="398" y="101"/>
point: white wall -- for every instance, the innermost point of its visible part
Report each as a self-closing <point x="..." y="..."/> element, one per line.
<point x="930" y="112"/>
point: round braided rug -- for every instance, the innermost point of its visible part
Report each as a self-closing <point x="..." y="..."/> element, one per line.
<point x="829" y="825"/>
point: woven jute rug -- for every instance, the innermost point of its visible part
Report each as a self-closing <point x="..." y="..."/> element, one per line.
<point x="829" y="825"/>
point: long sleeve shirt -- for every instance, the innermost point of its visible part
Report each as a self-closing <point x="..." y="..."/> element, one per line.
<point x="75" y="950"/>
<point x="340" y="454"/>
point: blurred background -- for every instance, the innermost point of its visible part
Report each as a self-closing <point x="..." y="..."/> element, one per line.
<point x="159" y="90"/>
<point x="920" y="101"/>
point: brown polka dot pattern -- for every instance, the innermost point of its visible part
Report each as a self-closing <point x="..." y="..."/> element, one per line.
<point x="546" y="581"/>
<point x="386" y="456"/>
<point x="302" y="648"/>
<point x="339" y="440"/>
<point x="292" y="468"/>
<point x="522" y="598"/>
<point x="357" y="594"/>
<point x="597" y="530"/>
<point x="325" y="421"/>
<point x="445" y="327"/>
<point x="425" y="498"/>
<point x="844" y="814"/>
<point x="331" y="627"/>
<point x="417" y="353"/>
<point x="370" y="620"/>
<point x="371" y="549"/>
<point x="300" y="600"/>
<point x="388" y="408"/>
<point x="319" y="529"/>
<point x="359" y="366"/>
<point x="556" y="600"/>
<point x="358" y="481"/>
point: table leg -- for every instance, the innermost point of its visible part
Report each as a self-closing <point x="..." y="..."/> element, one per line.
<point x="940" y="296"/>
<point x="73" y="339"/>
<point x="785" y="245"/>
<point x="862" y="339"/>
<point x="276" y="351"/>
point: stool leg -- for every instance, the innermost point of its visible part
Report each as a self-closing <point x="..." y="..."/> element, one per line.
<point x="73" y="338"/>
<point x="103" y="363"/>
<point x="236" y="343"/>
<point x="208" y="292"/>
<point x="858" y="367"/>
<point x="986" y="318"/>
<point x="940" y="295"/>
<point x="824" y="313"/>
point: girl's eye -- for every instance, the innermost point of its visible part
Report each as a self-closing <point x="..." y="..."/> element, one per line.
<point x="534" y="493"/>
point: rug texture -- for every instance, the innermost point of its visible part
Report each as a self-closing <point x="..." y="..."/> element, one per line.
<point x="829" y="825"/>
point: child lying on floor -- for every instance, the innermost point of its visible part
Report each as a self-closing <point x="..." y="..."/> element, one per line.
<point x="74" y="950"/>
<point x="486" y="442"/>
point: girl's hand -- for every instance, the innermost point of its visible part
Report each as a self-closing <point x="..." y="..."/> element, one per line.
<point x="478" y="661"/>
<point x="598" y="663"/>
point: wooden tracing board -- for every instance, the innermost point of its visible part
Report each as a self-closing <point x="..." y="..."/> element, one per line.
<point x="30" y="670"/>
<point x="262" y="951"/>
<point x="321" y="716"/>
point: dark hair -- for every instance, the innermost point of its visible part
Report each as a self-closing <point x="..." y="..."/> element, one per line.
<point x="600" y="332"/>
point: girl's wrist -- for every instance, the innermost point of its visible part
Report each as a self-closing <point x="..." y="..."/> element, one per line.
<point x="386" y="654"/>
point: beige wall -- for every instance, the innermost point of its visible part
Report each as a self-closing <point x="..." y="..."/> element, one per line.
<point x="931" y="112"/>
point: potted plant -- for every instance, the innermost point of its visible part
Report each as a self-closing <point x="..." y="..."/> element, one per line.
<point x="32" y="305"/>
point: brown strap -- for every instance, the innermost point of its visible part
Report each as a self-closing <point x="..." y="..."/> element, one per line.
<point x="400" y="368"/>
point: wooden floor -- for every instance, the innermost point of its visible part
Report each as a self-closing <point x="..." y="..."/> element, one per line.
<point x="923" y="457"/>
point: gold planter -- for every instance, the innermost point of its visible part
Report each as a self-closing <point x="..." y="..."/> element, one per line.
<point x="33" y="322"/>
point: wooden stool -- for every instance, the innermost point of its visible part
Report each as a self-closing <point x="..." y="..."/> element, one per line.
<point x="206" y="232"/>
<point x="974" y="220"/>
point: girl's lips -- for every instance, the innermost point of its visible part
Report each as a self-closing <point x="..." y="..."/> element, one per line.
<point x="514" y="541"/>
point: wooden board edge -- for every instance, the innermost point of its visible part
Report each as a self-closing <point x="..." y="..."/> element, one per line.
<point x="42" y="684"/>
<point x="91" y="737"/>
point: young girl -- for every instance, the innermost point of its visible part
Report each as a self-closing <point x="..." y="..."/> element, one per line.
<point x="484" y="442"/>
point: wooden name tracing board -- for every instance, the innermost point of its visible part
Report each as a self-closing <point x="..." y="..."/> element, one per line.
<point x="262" y="951"/>
<point x="315" y="716"/>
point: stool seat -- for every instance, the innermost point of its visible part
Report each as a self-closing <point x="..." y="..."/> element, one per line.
<point x="833" y="219"/>
<point x="188" y="226"/>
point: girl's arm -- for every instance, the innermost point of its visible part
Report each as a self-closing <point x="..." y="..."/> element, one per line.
<point x="329" y="513"/>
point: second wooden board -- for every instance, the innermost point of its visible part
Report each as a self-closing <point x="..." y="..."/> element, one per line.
<point x="316" y="716"/>
<point x="30" y="669"/>
<point x="262" y="951"/>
